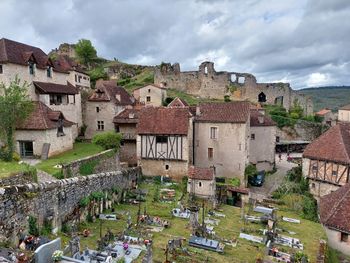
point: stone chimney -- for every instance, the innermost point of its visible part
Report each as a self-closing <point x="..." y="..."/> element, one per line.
<point x="261" y="119"/>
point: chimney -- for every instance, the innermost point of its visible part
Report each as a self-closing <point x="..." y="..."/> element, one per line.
<point x="117" y="96"/>
<point x="198" y="111"/>
<point x="261" y="119"/>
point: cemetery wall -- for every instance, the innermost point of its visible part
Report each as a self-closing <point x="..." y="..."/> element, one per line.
<point x="53" y="201"/>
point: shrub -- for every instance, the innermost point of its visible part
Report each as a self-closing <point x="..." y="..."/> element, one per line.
<point x="58" y="175"/>
<point x="16" y="157"/>
<point x="227" y="98"/>
<point x="250" y="171"/>
<point x="66" y="228"/>
<point x="97" y="195"/>
<point x="32" y="172"/>
<point x="84" y="201"/>
<point x="310" y="208"/>
<point x="88" y="167"/>
<point x="33" y="226"/>
<point x="108" y="140"/>
<point x="235" y="182"/>
<point x="46" y="229"/>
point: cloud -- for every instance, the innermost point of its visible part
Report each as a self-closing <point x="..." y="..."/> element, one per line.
<point x="280" y="40"/>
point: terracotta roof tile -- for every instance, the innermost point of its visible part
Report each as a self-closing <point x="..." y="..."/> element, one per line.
<point x="232" y="112"/>
<point x="178" y="102"/>
<point x="43" y="118"/>
<point x="53" y="88"/>
<point x="161" y="120"/>
<point x="258" y="119"/>
<point x="323" y="112"/>
<point x="200" y="173"/>
<point x="68" y="64"/>
<point x="127" y="116"/>
<point x="335" y="209"/>
<point x="333" y="145"/>
<point x="107" y="90"/>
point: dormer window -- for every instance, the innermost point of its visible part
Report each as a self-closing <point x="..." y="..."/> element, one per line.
<point x="49" y="72"/>
<point x="31" y="68"/>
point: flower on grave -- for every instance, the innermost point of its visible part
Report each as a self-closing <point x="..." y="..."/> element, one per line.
<point x="57" y="255"/>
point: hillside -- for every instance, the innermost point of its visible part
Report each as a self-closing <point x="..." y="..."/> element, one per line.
<point x="332" y="97"/>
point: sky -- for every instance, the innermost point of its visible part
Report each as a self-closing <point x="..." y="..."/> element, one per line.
<point x="303" y="42"/>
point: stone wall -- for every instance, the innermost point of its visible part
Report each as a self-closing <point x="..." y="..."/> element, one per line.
<point x="22" y="178"/>
<point x="54" y="201"/>
<point x="106" y="161"/>
<point x="208" y="83"/>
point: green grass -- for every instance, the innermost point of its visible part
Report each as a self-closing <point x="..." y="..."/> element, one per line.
<point x="144" y="78"/>
<point x="10" y="168"/>
<point x="190" y="99"/>
<point x="80" y="150"/>
<point x="229" y="227"/>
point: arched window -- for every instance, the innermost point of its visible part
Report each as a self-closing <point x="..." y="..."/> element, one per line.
<point x="261" y="97"/>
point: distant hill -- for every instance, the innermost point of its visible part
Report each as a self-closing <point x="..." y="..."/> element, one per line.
<point x="332" y="97"/>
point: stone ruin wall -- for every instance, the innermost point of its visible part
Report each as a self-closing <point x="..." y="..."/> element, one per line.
<point x="208" y="83"/>
<point x="54" y="201"/>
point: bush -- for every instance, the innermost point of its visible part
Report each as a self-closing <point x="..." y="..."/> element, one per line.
<point x="250" y="171"/>
<point x="227" y="98"/>
<point x="97" y="195"/>
<point x="16" y="157"/>
<point x="235" y="182"/>
<point x="33" y="226"/>
<point x="66" y="228"/>
<point x="32" y="172"/>
<point x="108" y="140"/>
<point x="310" y="208"/>
<point x="84" y="201"/>
<point x="47" y="228"/>
<point x="88" y="168"/>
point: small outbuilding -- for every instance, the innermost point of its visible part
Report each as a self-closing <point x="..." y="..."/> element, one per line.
<point x="201" y="182"/>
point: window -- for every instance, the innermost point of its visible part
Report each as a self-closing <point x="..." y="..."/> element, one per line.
<point x="148" y="98"/>
<point x="200" y="184"/>
<point x="100" y="125"/>
<point x="252" y="136"/>
<point x="79" y="79"/>
<point x="31" y="68"/>
<point x="277" y="139"/>
<point x="240" y="146"/>
<point x="149" y="90"/>
<point x="55" y="99"/>
<point x="1" y="70"/>
<point x="210" y="153"/>
<point x="161" y="139"/>
<point x="334" y="173"/>
<point x="213" y="132"/>
<point x="313" y="186"/>
<point x="60" y="128"/>
<point x="167" y="167"/>
<point x="314" y="168"/>
<point x="49" y="72"/>
<point x="76" y="78"/>
<point x="97" y="109"/>
<point x="344" y="237"/>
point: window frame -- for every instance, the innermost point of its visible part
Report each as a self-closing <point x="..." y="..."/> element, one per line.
<point x="148" y="98"/>
<point x="210" y="153"/>
<point x="49" y="72"/>
<point x="252" y="136"/>
<point x="161" y="139"/>
<point x="214" y="132"/>
<point x="31" y="68"/>
<point x="344" y="237"/>
<point x="100" y="125"/>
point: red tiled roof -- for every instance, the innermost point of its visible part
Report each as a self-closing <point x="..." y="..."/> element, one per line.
<point x="333" y="145"/>
<point x="43" y="118"/>
<point x="127" y="116"/>
<point x="346" y="107"/>
<point x="68" y="64"/>
<point x="53" y="88"/>
<point x="178" y="102"/>
<point x="255" y="122"/>
<point x="335" y="209"/>
<point x="232" y="112"/>
<point x="107" y="90"/>
<point x="19" y="53"/>
<point x="200" y="173"/>
<point x="323" y="112"/>
<point x="154" y="85"/>
<point x="161" y="120"/>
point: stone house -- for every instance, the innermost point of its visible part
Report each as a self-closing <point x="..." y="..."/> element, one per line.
<point x="178" y="103"/>
<point x="221" y="132"/>
<point x="125" y="123"/>
<point x="328" y="117"/>
<point x="334" y="212"/>
<point x="164" y="141"/>
<point x="201" y="182"/>
<point x="262" y="141"/>
<point x="45" y="132"/>
<point x="107" y="101"/>
<point x="326" y="160"/>
<point x="344" y="113"/>
<point x="31" y="65"/>
<point x="150" y="95"/>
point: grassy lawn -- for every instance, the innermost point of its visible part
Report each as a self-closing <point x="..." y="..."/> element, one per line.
<point x="229" y="227"/>
<point x="190" y="99"/>
<point x="80" y="150"/>
<point x="9" y="168"/>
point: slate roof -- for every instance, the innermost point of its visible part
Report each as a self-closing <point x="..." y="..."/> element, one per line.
<point x="335" y="209"/>
<point x="53" y="88"/>
<point x="254" y="119"/>
<point x="127" y="116"/>
<point x="163" y="121"/>
<point x="43" y="118"/>
<point x="333" y="145"/>
<point x="200" y="173"/>
<point x="178" y="102"/>
<point x="19" y="53"/>
<point x="346" y="107"/>
<point x="225" y="112"/>
<point x="107" y="90"/>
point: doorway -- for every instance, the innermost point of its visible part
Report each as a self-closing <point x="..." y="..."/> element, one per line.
<point x="26" y="148"/>
<point x="262" y="97"/>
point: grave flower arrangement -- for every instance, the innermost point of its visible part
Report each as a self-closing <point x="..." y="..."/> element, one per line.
<point x="57" y="255"/>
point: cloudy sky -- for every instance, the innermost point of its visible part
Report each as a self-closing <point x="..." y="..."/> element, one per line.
<point x="304" y="42"/>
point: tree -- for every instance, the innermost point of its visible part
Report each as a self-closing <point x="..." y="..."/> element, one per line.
<point x="85" y="51"/>
<point x="108" y="140"/>
<point x="15" y="107"/>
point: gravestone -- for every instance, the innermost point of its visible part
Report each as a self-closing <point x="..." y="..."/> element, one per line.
<point x="43" y="254"/>
<point x="45" y="151"/>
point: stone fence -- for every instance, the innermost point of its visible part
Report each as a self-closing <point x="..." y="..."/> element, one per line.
<point x="21" y="178"/>
<point x="54" y="201"/>
<point x="106" y="161"/>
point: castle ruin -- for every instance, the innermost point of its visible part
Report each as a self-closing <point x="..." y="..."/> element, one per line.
<point x="207" y="83"/>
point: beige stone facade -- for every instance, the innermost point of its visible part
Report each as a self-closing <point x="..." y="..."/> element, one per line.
<point x="230" y="149"/>
<point x="58" y="144"/>
<point x="344" y="115"/>
<point x="150" y="95"/>
<point x="202" y="188"/>
<point x="335" y="241"/>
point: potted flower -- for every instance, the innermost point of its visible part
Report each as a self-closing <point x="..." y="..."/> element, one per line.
<point x="57" y="255"/>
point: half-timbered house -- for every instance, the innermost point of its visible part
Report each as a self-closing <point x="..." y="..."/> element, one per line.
<point x="164" y="141"/>
<point x="326" y="160"/>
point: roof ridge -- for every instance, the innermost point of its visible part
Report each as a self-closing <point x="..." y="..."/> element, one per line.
<point x="343" y="142"/>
